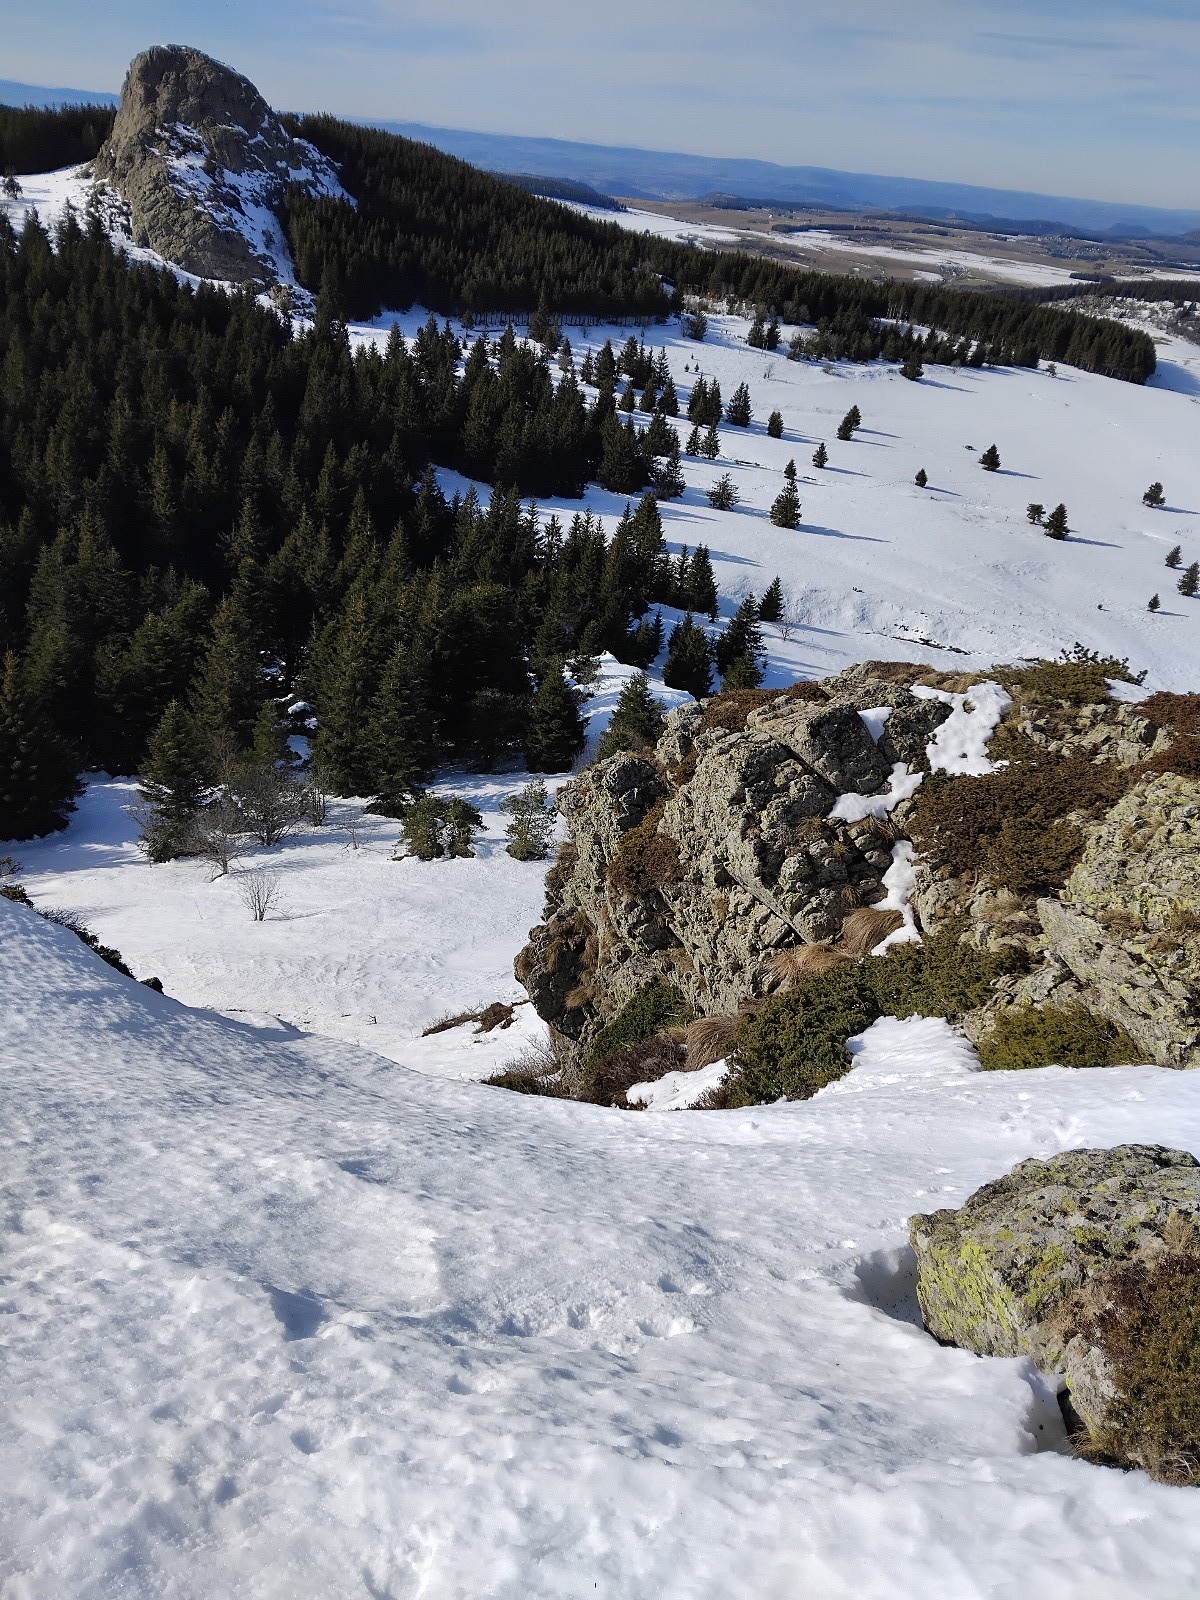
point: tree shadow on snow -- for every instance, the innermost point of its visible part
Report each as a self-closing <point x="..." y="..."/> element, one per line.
<point x="836" y="533"/>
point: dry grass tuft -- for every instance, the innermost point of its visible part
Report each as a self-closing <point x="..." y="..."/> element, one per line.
<point x="709" y="1039"/>
<point x="864" y="928"/>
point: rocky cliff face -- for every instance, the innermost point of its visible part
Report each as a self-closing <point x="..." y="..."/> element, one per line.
<point x="727" y="862"/>
<point x="202" y="163"/>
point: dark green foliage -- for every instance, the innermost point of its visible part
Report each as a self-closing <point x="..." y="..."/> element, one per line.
<point x="695" y="325"/>
<point x="704" y="403"/>
<point x="820" y="459"/>
<point x="37" y="139"/>
<point x="669" y="482"/>
<point x="37" y="773"/>
<point x="739" y="651"/>
<point x="796" y="1043"/>
<point x="990" y="459"/>
<point x="757" y="336"/>
<point x="789" y="471"/>
<point x="1153" y="603"/>
<point x="657" y="1006"/>
<point x="1174" y="556"/>
<point x="556" y="728"/>
<point x="785" y="508"/>
<point x="532" y="821"/>
<point x="1147" y="1322"/>
<point x="1190" y="582"/>
<point x="770" y="607"/>
<point x="174" y="776"/>
<point x="922" y="478"/>
<point x="775" y="425"/>
<point x="710" y="445"/>
<point x="1035" y="512"/>
<point x="1056" y="523"/>
<point x="436" y="827"/>
<point x="636" y="723"/>
<point x="1055" y="1036"/>
<point x="723" y="495"/>
<point x="1154" y="496"/>
<point x="1079" y="678"/>
<point x="911" y="367"/>
<point x="738" y="412"/>
<point x="689" y="659"/>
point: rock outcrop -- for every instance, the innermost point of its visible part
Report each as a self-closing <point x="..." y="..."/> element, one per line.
<point x="705" y="863"/>
<point x="1035" y="1264"/>
<point x="203" y="164"/>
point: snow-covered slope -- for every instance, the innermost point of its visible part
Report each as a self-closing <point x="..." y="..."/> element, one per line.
<point x="280" y="1317"/>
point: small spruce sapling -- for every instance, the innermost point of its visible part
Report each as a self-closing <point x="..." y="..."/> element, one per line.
<point x="922" y="478"/>
<point x="912" y="368"/>
<point x="1035" y="512"/>
<point x="1153" y="603"/>
<point x="1174" y="557"/>
<point x="637" y="722"/>
<point x="1189" y="584"/>
<point x="1056" y="523"/>
<point x="849" y="422"/>
<point x="689" y="659"/>
<point x="1154" y="496"/>
<point x="789" y="471"/>
<point x="711" y="445"/>
<point x="723" y="495"/>
<point x="990" y="459"/>
<point x="694" y="444"/>
<point x="820" y="458"/>
<point x="775" y="425"/>
<point x="531" y="824"/>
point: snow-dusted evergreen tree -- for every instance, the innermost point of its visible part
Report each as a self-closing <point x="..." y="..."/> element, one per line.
<point x="723" y="495"/>
<point x="785" y="508"/>
<point x="1056" y="522"/>
<point x="990" y="459"/>
<point x="532" y="821"/>
<point x="775" y="425"/>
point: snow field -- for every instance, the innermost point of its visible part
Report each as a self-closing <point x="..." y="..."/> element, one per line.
<point x="281" y="1317"/>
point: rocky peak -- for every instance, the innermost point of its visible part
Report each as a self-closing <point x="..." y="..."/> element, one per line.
<point x="202" y="163"/>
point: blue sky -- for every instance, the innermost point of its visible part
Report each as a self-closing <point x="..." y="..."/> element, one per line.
<point x="1087" y="97"/>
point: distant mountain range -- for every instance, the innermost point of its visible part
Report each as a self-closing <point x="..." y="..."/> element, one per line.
<point x="672" y="175"/>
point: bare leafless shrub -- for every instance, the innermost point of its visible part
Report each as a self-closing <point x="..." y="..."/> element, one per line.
<point x="260" y="892"/>
<point x="215" y="832"/>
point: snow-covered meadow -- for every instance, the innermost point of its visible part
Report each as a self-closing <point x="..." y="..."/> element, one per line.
<point x="283" y="1315"/>
<point x="282" y="1318"/>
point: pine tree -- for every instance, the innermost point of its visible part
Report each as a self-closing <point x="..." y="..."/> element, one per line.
<point x="743" y="672"/>
<point x="1153" y="603"/>
<point x="1056" y="522"/>
<point x="785" y="508"/>
<point x="637" y="722"/>
<point x="723" y="495"/>
<point x="659" y="437"/>
<point x="922" y="478"/>
<point x="556" y="728"/>
<point x="587" y="372"/>
<point x="1154" y="496"/>
<point x="229" y="687"/>
<point x="990" y="459"/>
<point x="668" y="400"/>
<point x="694" y="444"/>
<point x="741" y="643"/>
<point x="689" y="659"/>
<point x="757" y="337"/>
<point x="269" y="737"/>
<point x="628" y="401"/>
<point x="532" y="822"/>
<point x="343" y="687"/>
<point x="847" y="425"/>
<point x="172" y="784"/>
<point x="738" y="413"/>
<point x="37" y="774"/>
<point x="1174" y="556"/>
<point x="771" y="341"/>
<point x="1035" y="512"/>
<point x="771" y="606"/>
<point x="775" y="425"/>
<point x="789" y="471"/>
<point x="711" y="447"/>
<point x="701" y="584"/>
<point x="1190" y="582"/>
<point x="668" y="479"/>
<point x="403" y="729"/>
<point x="912" y="368"/>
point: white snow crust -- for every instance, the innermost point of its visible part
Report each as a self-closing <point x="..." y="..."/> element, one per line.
<point x="281" y="1317"/>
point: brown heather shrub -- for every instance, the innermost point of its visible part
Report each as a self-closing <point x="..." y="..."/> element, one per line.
<point x="729" y="711"/>
<point x="1149" y="1329"/>
<point x="1182" y="757"/>
<point x="1009" y="827"/>
<point x="1179" y="713"/>
<point x="644" y="1062"/>
<point x="645" y="860"/>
